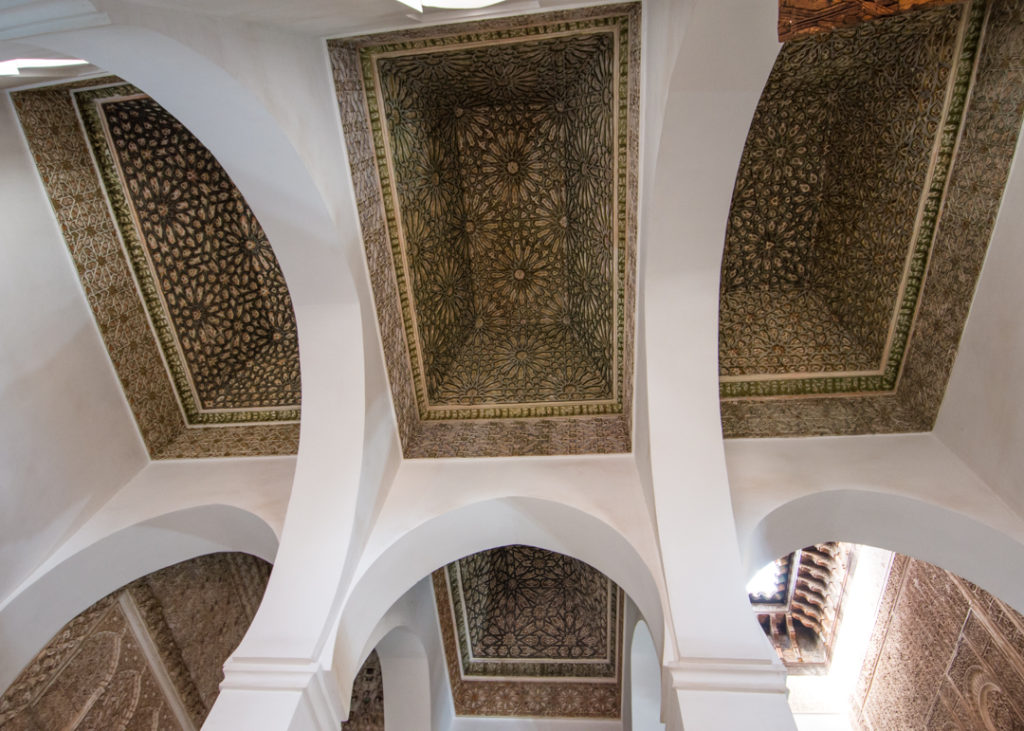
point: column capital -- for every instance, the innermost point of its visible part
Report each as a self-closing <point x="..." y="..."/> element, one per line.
<point x="733" y="675"/>
<point x="317" y="686"/>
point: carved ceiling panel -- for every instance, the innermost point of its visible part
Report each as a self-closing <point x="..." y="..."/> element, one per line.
<point x="864" y="203"/>
<point x="187" y="293"/>
<point x="528" y="632"/>
<point x="496" y="175"/>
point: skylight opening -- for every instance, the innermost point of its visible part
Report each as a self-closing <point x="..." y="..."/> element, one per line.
<point x="449" y="4"/>
<point x="767" y="581"/>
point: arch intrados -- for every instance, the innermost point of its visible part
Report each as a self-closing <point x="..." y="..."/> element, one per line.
<point x="36" y="612"/>
<point x="964" y="546"/>
<point x="405" y="671"/>
<point x="479" y="527"/>
<point x="645" y="678"/>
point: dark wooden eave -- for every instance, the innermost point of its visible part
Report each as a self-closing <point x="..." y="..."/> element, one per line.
<point x="804" y="17"/>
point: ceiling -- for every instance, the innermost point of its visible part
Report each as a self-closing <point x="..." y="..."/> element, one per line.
<point x="495" y="169"/>
<point x="528" y="632"/>
<point x="497" y="193"/>
<point x="188" y="295"/>
<point x="863" y="206"/>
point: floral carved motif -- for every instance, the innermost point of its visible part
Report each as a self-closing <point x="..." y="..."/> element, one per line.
<point x="905" y="213"/>
<point x="528" y="632"/>
<point x="504" y="177"/>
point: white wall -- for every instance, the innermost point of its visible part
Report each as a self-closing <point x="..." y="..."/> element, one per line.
<point x="904" y="492"/>
<point x="981" y="417"/>
<point x="644" y="682"/>
<point x="67" y="438"/>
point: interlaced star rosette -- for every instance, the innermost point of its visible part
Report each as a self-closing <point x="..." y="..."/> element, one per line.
<point x="501" y="180"/>
<point x="226" y="300"/>
<point x="521" y="274"/>
<point x="523" y="356"/>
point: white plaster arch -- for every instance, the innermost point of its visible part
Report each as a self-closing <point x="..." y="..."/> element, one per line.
<point x="408" y="642"/>
<point x="979" y="552"/>
<point x="645" y="692"/>
<point x="32" y="615"/>
<point x="478" y="527"/>
<point x="405" y="672"/>
<point x="249" y="143"/>
<point x="719" y="55"/>
<point x="321" y="259"/>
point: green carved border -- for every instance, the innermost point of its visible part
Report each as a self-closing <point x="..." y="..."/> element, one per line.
<point x="906" y="308"/>
<point x="620" y="25"/>
<point x="146" y="283"/>
<point x="547" y="669"/>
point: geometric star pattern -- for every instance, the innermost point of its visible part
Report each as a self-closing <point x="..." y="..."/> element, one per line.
<point x="502" y="159"/>
<point x="160" y="244"/>
<point x="495" y="168"/>
<point x="835" y="204"/>
<point x="521" y="623"/>
<point x="210" y="281"/>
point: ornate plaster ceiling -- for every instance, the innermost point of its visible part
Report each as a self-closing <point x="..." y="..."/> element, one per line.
<point x="528" y="632"/>
<point x="188" y="295"/>
<point x="864" y="203"/>
<point x="496" y="176"/>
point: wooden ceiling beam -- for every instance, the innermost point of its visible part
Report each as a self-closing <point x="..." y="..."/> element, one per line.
<point x="804" y="17"/>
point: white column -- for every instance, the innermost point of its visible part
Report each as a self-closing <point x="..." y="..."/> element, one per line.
<point x="275" y="680"/>
<point x="723" y="670"/>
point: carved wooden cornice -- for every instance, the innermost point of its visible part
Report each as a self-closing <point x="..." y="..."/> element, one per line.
<point x="804" y="17"/>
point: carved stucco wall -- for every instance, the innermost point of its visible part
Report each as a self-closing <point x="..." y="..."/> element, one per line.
<point x="367" y="710"/>
<point x="944" y="654"/>
<point x="147" y="656"/>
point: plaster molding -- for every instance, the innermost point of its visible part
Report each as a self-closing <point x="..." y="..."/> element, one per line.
<point x="29" y="18"/>
<point x="317" y="685"/>
<point x="728" y="675"/>
<point x="137" y="623"/>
